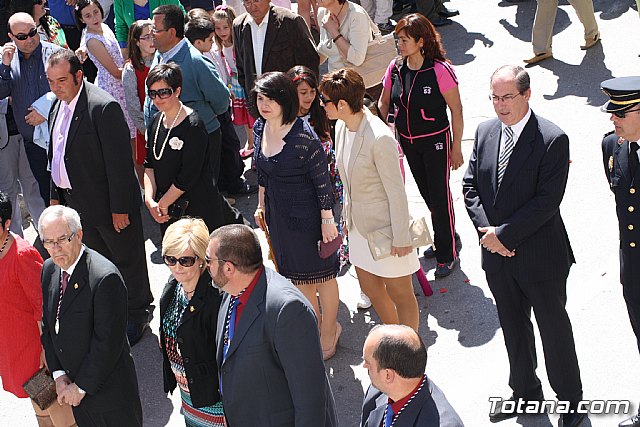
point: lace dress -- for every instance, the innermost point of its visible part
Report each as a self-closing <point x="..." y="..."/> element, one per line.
<point x="297" y="186"/>
<point x="105" y="80"/>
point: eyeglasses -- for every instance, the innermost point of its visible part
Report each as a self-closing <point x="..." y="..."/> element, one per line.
<point x="163" y="93"/>
<point x="185" y="261"/>
<point x="50" y="244"/>
<point x="623" y="114"/>
<point x="22" y="36"/>
<point x="208" y="260"/>
<point x="155" y="30"/>
<point x="326" y="101"/>
<point x="505" y="98"/>
<point x="145" y="38"/>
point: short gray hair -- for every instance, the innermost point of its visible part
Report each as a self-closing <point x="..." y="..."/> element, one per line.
<point x="520" y="76"/>
<point x="69" y="215"/>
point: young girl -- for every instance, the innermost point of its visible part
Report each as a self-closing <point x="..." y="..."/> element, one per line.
<point x="223" y="17"/>
<point x="134" y="74"/>
<point x="104" y="51"/>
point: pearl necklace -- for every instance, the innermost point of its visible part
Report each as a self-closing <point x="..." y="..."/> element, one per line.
<point x="4" y="245"/>
<point x="166" y="138"/>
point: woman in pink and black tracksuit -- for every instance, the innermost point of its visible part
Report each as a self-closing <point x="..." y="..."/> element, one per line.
<point x="421" y="85"/>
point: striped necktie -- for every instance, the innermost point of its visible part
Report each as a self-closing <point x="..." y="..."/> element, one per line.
<point x="505" y="153"/>
<point x="388" y="416"/>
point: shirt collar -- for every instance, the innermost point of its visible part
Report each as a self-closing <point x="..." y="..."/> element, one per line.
<point x="71" y="269"/>
<point x="37" y="53"/>
<point x="249" y="289"/>
<point x="397" y="406"/>
<point x="519" y="127"/>
<point x="74" y="101"/>
<point x="262" y="24"/>
<point x="172" y="52"/>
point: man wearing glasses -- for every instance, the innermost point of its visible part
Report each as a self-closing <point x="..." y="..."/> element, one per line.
<point x="23" y="77"/>
<point x="513" y="188"/>
<point x="620" y="155"/>
<point x="84" y="326"/>
<point x="269" y="354"/>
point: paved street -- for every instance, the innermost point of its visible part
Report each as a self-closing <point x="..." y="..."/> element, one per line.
<point x="459" y="323"/>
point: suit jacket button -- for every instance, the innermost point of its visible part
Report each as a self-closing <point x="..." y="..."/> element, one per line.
<point x="630" y="226"/>
<point x="630" y="208"/>
<point x="60" y="350"/>
<point x="190" y="380"/>
<point x="185" y="359"/>
<point x="632" y="191"/>
<point x="632" y="244"/>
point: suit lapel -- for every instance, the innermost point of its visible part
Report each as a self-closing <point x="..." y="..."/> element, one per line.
<point x="376" y="416"/>
<point x="78" y="281"/>
<point x="273" y="26"/>
<point x="54" y="296"/>
<point x="358" y="141"/>
<point x="78" y="114"/>
<point x="520" y="154"/>
<point x="491" y="153"/>
<point x="621" y="154"/>
<point x="222" y="314"/>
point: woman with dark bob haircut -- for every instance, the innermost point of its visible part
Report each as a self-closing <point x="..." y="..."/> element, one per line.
<point x="177" y="177"/>
<point x="374" y="199"/>
<point x="424" y="129"/>
<point x="296" y="198"/>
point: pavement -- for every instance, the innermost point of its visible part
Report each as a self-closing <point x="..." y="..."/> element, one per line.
<point x="459" y="323"/>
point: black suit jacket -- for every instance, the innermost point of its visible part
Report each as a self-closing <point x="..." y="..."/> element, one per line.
<point x="196" y="340"/>
<point x="91" y="345"/>
<point x="526" y="208"/>
<point x="274" y="374"/>
<point x="98" y="159"/>
<point x="288" y="42"/>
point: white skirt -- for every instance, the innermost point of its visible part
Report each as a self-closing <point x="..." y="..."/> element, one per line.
<point x="392" y="267"/>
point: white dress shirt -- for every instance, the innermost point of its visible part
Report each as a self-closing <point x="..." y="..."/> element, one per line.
<point x="258" y="36"/>
<point x="517" y="130"/>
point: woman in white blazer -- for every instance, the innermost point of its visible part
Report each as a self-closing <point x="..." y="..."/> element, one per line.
<point x="374" y="198"/>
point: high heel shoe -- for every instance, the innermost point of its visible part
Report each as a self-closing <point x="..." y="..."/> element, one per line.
<point x="328" y="354"/>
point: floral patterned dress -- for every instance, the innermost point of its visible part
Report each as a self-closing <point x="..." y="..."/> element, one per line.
<point x="105" y="80"/>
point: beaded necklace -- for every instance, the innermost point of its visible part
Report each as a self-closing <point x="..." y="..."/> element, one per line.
<point x="395" y="417"/>
<point x="4" y="245"/>
<point x="166" y="138"/>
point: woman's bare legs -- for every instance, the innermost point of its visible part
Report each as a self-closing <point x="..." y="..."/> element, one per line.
<point x="400" y="289"/>
<point x="329" y="301"/>
<point x="373" y="286"/>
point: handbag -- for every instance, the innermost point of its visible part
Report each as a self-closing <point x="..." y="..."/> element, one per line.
<point x="380" y="52"/>
<point x="380" y="241"/>
<point x="325" y="250"/>
<point x="177" y="209"/>
<point x="41" y="388"/>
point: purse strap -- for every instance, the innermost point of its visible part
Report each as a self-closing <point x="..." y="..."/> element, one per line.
<point x="374" y="28"/>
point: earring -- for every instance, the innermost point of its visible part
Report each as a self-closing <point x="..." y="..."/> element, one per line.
<point x="201" y="265"/>
<point x="422" y="51"/>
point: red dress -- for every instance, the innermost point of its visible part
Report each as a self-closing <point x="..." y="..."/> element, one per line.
<point x="20" y="309"/>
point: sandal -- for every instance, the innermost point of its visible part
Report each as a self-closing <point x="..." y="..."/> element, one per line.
<point x="328" y="354"/>
<point x="246" y="152"/>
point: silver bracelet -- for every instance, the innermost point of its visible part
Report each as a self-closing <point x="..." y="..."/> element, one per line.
<point x="328" y="221"/>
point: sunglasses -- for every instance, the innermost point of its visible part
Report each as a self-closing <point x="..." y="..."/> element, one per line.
<point x="622" y="114"/>
<point x="22" y="37"/>
<point x="325" y="100"/>
<point x="185" y="261"/>
<point x="163" y="93"/>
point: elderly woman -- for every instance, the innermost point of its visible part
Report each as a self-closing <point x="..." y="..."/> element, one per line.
<point x="296" y="198"/>
<point x="188" y="337"/>
<point x="345" y="33"/>
<point x="21" y="354"/>
<point x="424" y="129"/>
<point x="374" y="198"/>
<point x="178" y="180"/>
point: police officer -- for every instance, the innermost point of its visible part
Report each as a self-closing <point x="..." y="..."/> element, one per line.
<point x="621" y="159"/>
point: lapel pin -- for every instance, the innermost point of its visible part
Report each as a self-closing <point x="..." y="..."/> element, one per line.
<point x="192" y="309"/>
<point x="75" y="286"/>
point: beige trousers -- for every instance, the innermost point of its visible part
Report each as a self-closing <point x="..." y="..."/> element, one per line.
<point x="61" y="415"/>
<point x="546" y="17"/>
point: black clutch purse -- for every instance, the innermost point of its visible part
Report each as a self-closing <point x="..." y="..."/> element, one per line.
<point x="177" y="209"/>
<point x="41" y="388"/>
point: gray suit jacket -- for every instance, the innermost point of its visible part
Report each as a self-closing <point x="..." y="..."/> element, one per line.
<point x="274" y="374"/>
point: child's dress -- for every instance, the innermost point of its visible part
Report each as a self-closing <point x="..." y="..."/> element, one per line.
<point x="241" y="115"/>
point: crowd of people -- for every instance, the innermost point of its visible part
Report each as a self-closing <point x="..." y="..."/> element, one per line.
<point x="137" y="102"/>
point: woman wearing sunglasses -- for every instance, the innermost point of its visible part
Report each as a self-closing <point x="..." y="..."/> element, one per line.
<point x="178" y="179"/>
<point x="188" y="316"/>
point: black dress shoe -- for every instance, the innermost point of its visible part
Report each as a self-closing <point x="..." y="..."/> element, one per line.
<point x="135" y="331"/>
<point x="631" y="422"/>
<point x="497" y="415"/>
<point x="441" y="22"/>
<point x="448" y="13"/>
<point x="571" y="420"/>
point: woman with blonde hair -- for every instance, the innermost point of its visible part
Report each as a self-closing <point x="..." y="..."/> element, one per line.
<point x="188" y="337"/>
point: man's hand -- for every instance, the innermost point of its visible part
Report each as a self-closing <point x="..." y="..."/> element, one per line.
<point x="43" y="360"/>
<point x="53" y="202"/>
<point x="491" y="242"/>
<point x="33" y="118"/>
<point x="8" y="50"/>
<point x="120" y="221"/>
<point x="61" y="384"/>
<point x="72" y="395"/>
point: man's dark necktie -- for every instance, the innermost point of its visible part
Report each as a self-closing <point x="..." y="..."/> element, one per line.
<point x="388" y="416"/>
<point x="633" y="159"/>
<point x="64" y="281"/>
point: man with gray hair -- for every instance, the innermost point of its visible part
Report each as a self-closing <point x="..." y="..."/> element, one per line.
<point x="400" y="393"/>
<point x="513" y="188"/>
<point x="84" y="326"/>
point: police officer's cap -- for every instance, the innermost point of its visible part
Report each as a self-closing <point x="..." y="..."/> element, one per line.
<point x="623" y="93"/>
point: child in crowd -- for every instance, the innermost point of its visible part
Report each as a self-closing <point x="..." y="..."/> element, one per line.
<point x="223" y="53"/>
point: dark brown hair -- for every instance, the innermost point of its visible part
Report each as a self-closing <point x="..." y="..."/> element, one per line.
<point x="134" y="53"/>
<point x="345" y="84"/>
<point x="317" y="114"/>
<point x="418" y="27"/>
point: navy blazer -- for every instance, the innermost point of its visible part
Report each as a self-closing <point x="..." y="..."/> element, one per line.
<point x="274" y="374"/>
<point x="525" y="209"/>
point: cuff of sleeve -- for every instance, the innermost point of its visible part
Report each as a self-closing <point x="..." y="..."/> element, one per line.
<point x="81" y="390"/>
<point x="5" y="72"/>
<point x="58" y="374"/>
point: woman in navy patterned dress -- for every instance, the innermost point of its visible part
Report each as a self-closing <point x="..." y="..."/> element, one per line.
<point x="188" y="315"/>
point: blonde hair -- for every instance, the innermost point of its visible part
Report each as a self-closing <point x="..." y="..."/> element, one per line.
<point x="185" y="234"/>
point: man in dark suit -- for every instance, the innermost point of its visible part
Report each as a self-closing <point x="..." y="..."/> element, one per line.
<point x="269" y="354"/>
<point x="620" y="156"/>
<point x="271" y="38"/>
<point x="400" y="393"/>
<point x="92" y="172"/>
<point x="84" y="326"/>
<point x="513" y="188"/>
